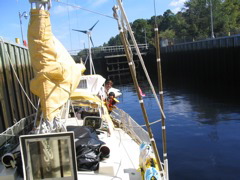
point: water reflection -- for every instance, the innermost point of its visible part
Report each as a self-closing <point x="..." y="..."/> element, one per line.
<point x="204" y="107"/>
<point x="210" y="106"/>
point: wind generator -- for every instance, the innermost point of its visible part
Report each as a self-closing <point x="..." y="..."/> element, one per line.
<point x="88" y="32"/>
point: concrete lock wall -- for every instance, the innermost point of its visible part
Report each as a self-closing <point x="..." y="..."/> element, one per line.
<point x="15" y="75"/>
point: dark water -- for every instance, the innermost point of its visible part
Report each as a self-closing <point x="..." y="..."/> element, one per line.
<point x="203" y="129"/>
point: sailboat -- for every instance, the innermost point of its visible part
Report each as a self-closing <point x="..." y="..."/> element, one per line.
<point x="74" y="135"/>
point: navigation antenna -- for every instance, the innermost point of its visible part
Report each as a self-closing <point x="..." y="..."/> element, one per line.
<point x="88" y="32"/>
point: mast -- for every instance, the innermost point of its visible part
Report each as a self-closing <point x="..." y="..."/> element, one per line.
<point x="127" y="49"/>
<point x="160" y="86"/>
<point x="90" y="54"/>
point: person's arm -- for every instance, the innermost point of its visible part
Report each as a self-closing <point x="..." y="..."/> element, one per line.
<point x="115" y="101"/>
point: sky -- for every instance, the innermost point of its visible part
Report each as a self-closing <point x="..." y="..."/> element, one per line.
<point x="64" y="18"/>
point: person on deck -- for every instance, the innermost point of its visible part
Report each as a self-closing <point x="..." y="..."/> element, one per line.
<point x="111" y="101"/>
<point x="105" y="90"/>
<point x="108" y="86"/>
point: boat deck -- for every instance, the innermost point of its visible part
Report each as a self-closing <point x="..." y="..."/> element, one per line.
<point x="123" y="160"/>
<point x="121" y="164"/>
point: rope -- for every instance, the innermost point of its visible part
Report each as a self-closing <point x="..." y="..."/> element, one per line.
<point x="9" y="58"/>
<point x="75" y="6"/>
<point x="35" y="120"/>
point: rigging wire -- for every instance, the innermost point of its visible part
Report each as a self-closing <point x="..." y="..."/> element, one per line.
<point x="154" y="6"/>
<point x="79" y="7"/>
<point x="77" y="19"/>
<point x="144" y="125"/>
<point x="69" y="27"/>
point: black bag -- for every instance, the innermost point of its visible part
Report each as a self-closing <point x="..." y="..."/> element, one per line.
<point x="87" y="147"/>
<point x="87" y="159"/>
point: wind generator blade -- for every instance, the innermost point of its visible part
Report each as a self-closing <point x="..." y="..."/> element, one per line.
<point x="93" y="26"/>
<point x="80" y="31"/>
<point x="91" y="41"/>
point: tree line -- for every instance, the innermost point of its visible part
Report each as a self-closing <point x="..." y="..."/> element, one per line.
<point x="192" y="23"/>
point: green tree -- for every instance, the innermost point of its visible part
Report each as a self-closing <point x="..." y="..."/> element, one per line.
<point x="157" y="19"/>
<point x="141" y="28"/>
<point x="230" y="17"/>
<point x="114" y="41"/>
<point x="167" y="34"/>
<point x="196" y="17"/>
<point x="193" y="22"/>
<point x="169" y="21"/>
<point x="181" y="27"/>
